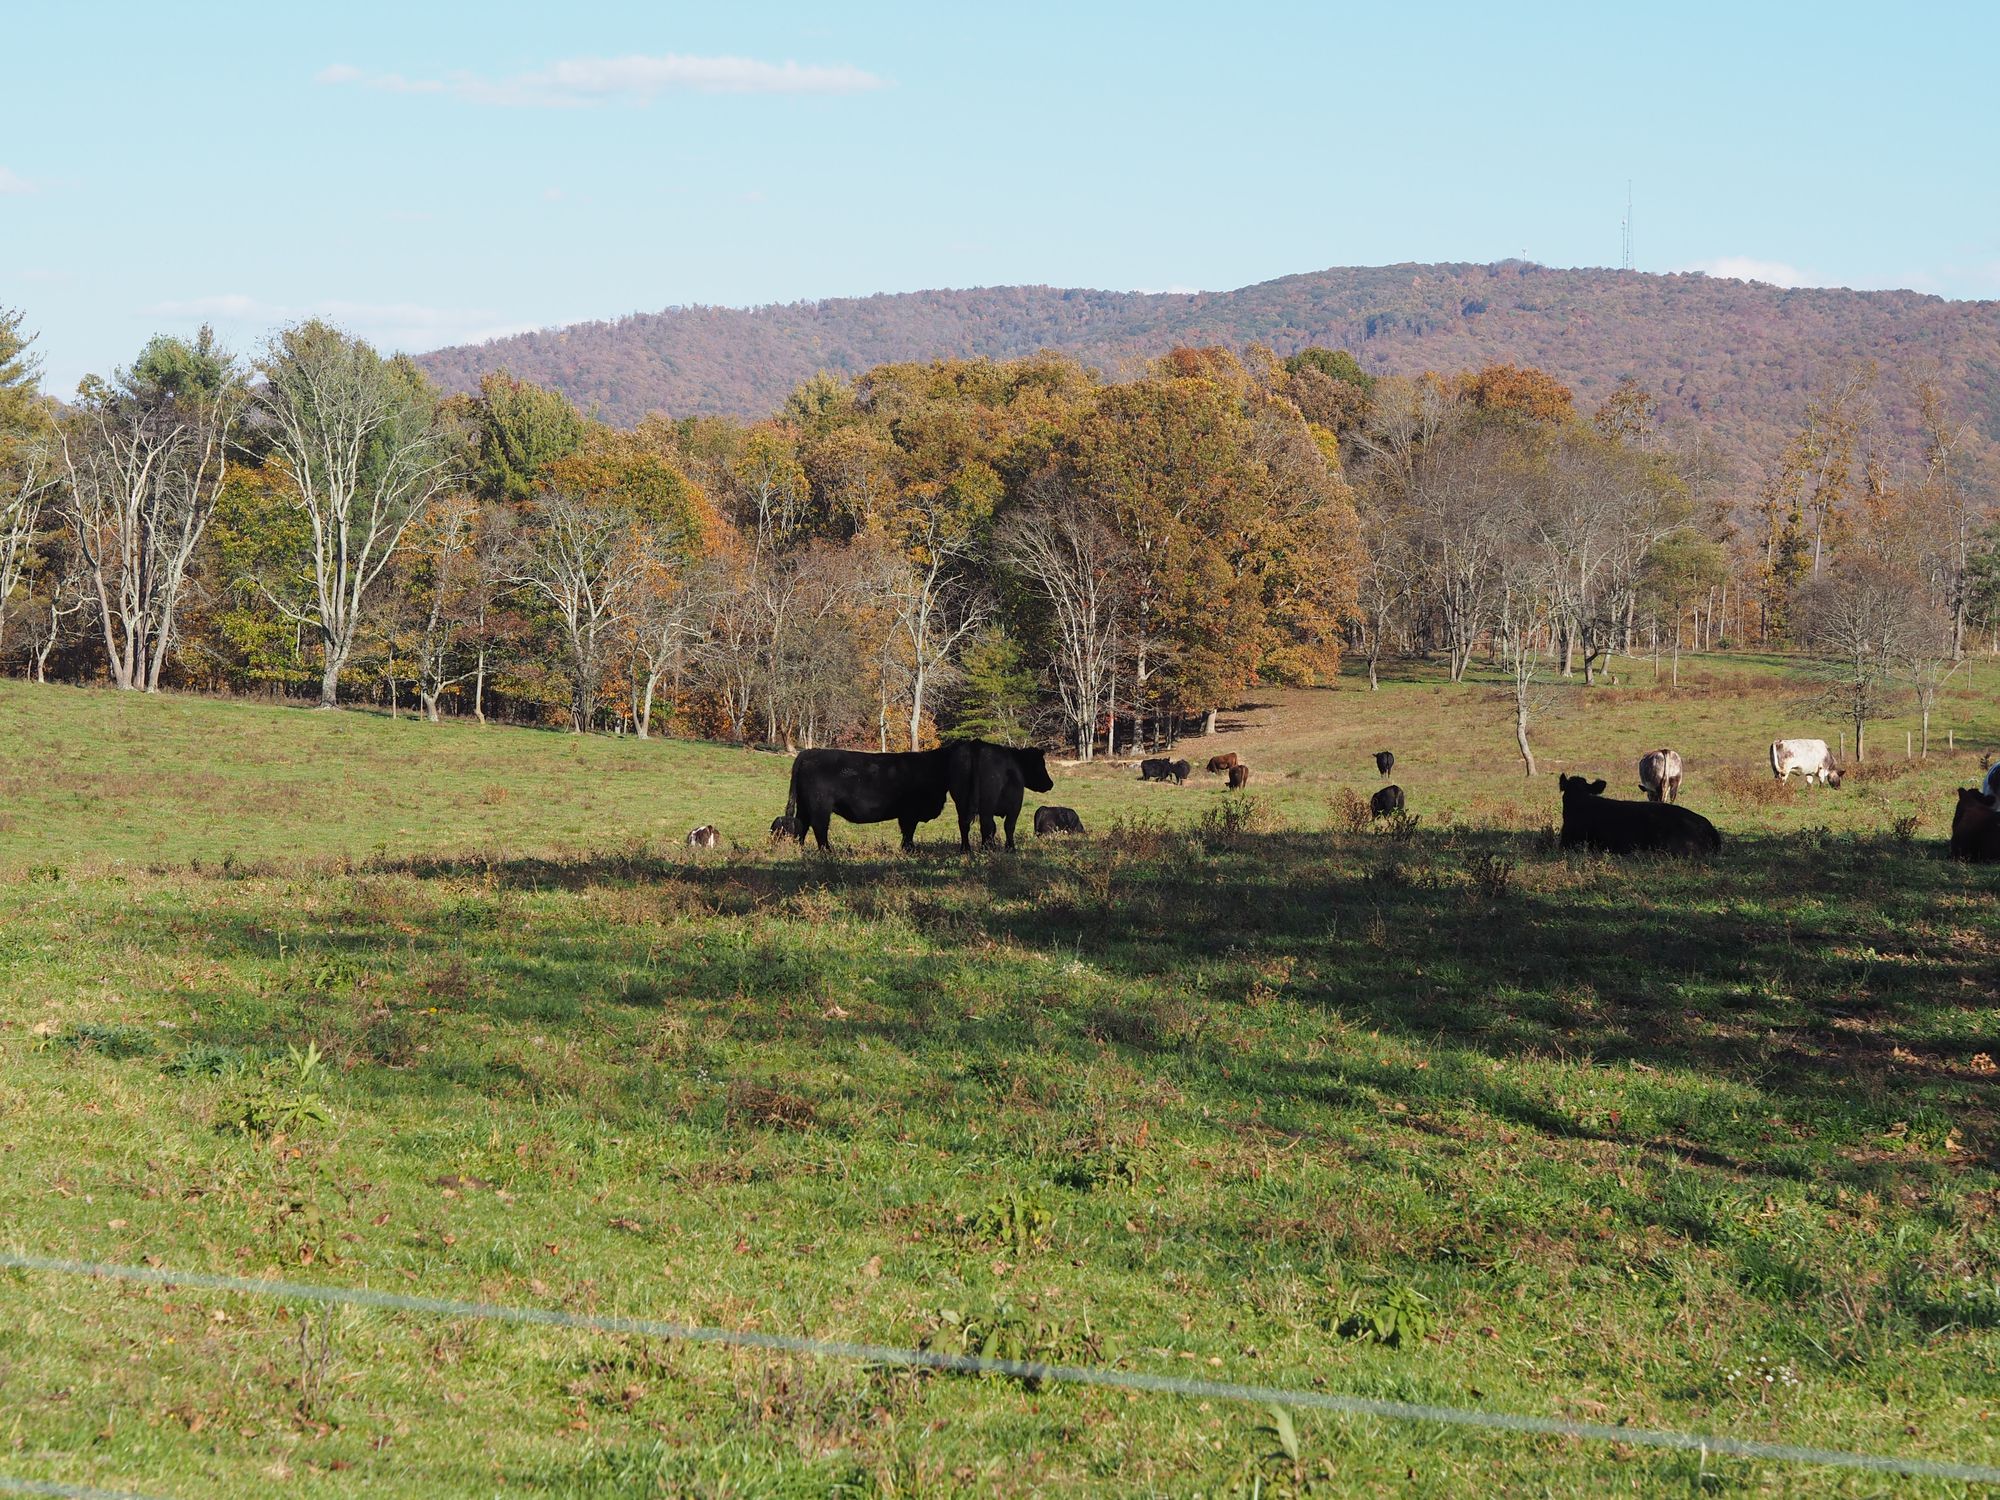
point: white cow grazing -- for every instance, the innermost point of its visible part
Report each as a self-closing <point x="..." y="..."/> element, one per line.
<point x="1810" y="758"/>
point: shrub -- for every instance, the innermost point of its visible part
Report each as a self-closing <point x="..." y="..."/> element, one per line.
<point x="1493" y="874"/>
<point x="1351" y="809"/>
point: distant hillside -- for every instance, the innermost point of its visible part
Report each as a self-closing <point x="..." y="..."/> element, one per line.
<point x="1735" y="356"/>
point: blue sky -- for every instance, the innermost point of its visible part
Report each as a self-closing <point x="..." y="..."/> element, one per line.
<point x="428" y="174"/>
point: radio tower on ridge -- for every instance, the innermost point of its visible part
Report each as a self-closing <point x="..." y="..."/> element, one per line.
<point x="1626" y="227"/>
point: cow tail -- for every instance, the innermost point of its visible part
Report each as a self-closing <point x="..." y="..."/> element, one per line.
<point x="792" y="794"/>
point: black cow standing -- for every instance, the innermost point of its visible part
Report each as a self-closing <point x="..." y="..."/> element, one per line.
<point x="1157" y="769"/>
<point x="1592" y="820"/>
<point x="910" y="787"/>
<point x="1385" y="761"/>
<point x="906" y="787"/>
<point x="987" y="781"/>
<point x="1388" y="800"/>
<point x="1180" y="770"/>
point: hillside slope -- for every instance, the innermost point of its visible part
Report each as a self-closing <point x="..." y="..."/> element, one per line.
<point x="1735" y="356"/>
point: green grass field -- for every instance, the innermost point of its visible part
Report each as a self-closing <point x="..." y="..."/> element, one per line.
<point x="1216" y="1091"/>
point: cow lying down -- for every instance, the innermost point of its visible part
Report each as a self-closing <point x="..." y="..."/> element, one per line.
<point x="1592" y="820"/>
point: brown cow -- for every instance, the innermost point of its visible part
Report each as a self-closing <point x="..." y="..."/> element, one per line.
<point x="1239" y="776"/>
<point x="1217" y="764"/>
<point x="1975" y="827"/>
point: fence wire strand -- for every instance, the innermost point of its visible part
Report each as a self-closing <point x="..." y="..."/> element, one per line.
<point x="968" y="1364"/>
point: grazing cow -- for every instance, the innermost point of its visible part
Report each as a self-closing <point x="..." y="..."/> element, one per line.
<point x="1159" y="768"/>
<point x="1239" y="777"/>
<point x="987" y="780"/>
<point x="906" y="787"/>
<point x="1810" y="758"/>
<point x="1385" y="761"/>
<point x="1388" y="800"/>
<point x="1592" y="820"/>
<point x="1180" y="770"/>
<point x="1660" y="775"/>
<point x="705" y="837"/>
<point x="1057" y="820"/>
<point x="1217" y="764"/>
<point x="1975" y="827"/>
<point x="785" y="827"/>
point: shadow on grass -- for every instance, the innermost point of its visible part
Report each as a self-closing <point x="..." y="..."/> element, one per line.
<point x="1846" y="982"/>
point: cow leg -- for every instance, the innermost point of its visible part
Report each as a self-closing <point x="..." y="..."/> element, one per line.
<point x="986" y="830"/>
<point x="819" y="828"/>
<point x="909" y="827"/>
<point x="1010" y="827"/>
<point x="965" y="830"/>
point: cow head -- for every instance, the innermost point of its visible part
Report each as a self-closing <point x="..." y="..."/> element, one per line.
<point x="1035" y="770"/>
<point x="1832" y="775"/>
<point x="1582" y="788"/>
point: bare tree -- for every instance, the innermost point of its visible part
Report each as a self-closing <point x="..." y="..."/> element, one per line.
<point x="443" y="565"/>
<point x="1072" y="559"/>
<point x="580" y="560"/>
<point x="364" y="444"/>
<point x="668" y="620"/>
<point x="29" y="473"/>
<point x="1863" y="620"/>
<point x="144" y="458"/>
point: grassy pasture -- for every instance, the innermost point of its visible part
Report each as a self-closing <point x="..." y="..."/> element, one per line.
<point x="1706" y="1146"/>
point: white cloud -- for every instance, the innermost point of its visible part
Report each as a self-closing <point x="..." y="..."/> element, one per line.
<point x="388" y="325"/>
<point x="576" y="82"/>
<point x="1747" y="268"/>
<point x="13" y="182"/>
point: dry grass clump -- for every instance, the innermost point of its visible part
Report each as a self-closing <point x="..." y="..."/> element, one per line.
<point x="1753" y="785"/>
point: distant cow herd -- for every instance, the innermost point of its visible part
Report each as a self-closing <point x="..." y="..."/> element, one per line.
<point x="987" y="783"/>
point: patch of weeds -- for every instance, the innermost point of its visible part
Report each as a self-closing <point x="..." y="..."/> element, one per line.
<point x="1904" y="829"/>
<point x="1351" y="810"/>
<point x="205" y="1060"/>
<point x="1235" y="816"/>
<point x="113" y="1039"/>
<point x="1402" y="826"/>
<point x="1399" y="1317"/>
<point x="1005" y="1333"/>
<point x="1493" y="874"/>
<point x="1018" y="1223"/>
<point x="285" y="1098"/>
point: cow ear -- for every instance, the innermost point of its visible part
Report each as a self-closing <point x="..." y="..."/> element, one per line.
<point x="1597" y="787"/>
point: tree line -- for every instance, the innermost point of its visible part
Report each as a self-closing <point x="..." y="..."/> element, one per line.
<point x="1008" y="549"/>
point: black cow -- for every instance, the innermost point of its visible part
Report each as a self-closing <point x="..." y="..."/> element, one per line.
<point x="785" y="826"/>
<point x="987" y="780"/>
<point x="1157" y="769"/>
<point x="1057" y="820"/>
<point x="1975" y="827"/>
<point x="1239" y="777"/>
<point x="1592" y="820"/>
<point x="1385" y="761"/>
<point x="1180" y="770"/>
<point x="1388" y="800"/>
<point x="905" y="787"/>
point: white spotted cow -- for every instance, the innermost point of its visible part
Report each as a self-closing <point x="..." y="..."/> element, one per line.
<point x="1810" y="758"/>
<point x="1660" y="775"/>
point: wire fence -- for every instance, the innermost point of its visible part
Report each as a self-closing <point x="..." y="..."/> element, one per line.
<point x="1027" y="1370"/>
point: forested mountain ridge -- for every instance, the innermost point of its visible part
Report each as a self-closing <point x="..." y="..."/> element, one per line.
<point x="1737" y="357"/>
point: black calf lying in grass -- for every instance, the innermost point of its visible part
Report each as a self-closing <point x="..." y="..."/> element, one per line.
<point x="1592" y="820"/>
